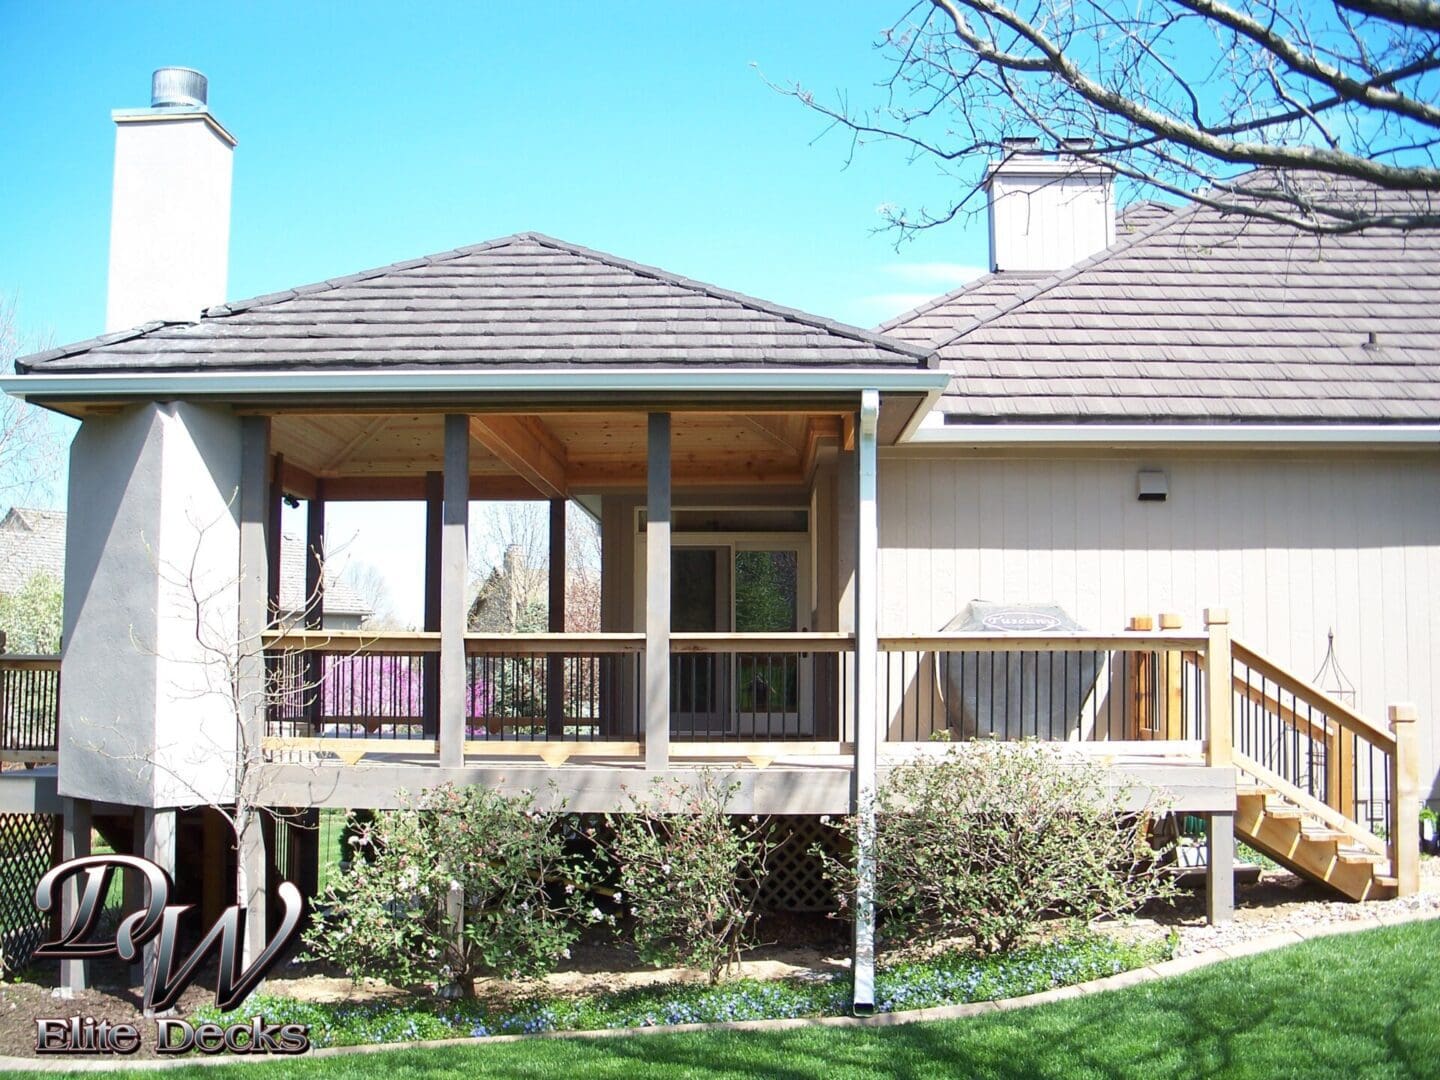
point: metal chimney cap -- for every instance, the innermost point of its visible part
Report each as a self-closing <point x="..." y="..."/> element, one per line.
<point x="182" y="86"/>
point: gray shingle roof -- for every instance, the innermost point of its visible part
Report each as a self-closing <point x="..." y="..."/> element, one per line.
<point x="1208" y="317"/>
<point x="524" y="300"/>
<point x="340" y="598"/>
<point x="935" y="321"/>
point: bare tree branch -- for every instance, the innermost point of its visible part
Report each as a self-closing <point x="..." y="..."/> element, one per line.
<point x="1180" y="96"/>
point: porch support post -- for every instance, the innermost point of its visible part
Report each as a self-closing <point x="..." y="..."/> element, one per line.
<point x="657" y="594"/>
<point x="272" y="484"/>
<point x="74" y="844"/>
<point x="259" y="573"/>
<point x="867" y="711"/>
<point x="315" y="559"/>
<point x="454" y="574"/>
<point x="1405" y="804"/>
<point x="430" y="665"/>
<point x="314" y="599"/>
<point x="1219" y="738"/>
<point x="555" y="663"/>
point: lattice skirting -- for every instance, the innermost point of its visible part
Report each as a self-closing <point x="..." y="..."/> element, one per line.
<point x="27" y="843"/>
<point x="795" y="882"/>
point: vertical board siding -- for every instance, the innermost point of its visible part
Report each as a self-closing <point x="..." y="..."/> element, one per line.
<point x="1292" y="547"/>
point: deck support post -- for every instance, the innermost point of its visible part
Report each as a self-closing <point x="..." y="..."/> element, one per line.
<point x="555" y="664"/>
<point x="656" y="713"/>
<point x="867" y="711"/>
<point x="454" y="575"/>
<point x="74" y="844"/>
<point x="1219" y="739"/>
<point x="1405" y="801"/>
<point x="158" y="839"/>
<point x="259" y="572"/>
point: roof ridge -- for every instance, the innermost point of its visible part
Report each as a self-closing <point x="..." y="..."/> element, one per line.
<point x="953" y="294"/>
<point x="1044" y="285"/>
<point x="715" y="292"/>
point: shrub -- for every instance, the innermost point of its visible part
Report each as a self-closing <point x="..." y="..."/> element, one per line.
<point x="991" y="839"/>
<point x="689" y="872"/>
<point x="462" y="882"/>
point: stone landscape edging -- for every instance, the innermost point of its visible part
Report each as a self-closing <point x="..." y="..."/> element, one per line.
<point x="1134" y="977"/>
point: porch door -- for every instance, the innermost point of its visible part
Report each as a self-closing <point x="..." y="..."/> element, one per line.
<point x="772" y="690"/>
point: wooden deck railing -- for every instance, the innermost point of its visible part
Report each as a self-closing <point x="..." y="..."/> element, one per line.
<point x="1062" y="687"/>
<point x="559" y="695"/>
<point x="29" y="708"/>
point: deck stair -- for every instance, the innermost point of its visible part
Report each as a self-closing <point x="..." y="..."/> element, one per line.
<point x="1301" y="841"/>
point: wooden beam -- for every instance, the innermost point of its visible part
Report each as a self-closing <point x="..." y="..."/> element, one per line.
<point x="412" y="488"/>
<point x="269" y="490"/>
<point x="294" y="480"/>
<point x="773" y="428"/>
<point x="351" y="445"/>
<point x="526" y="445"/>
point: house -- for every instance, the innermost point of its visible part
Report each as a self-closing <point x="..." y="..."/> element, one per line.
<point x="32" y="542"/>
<point x="1216" y="422"/>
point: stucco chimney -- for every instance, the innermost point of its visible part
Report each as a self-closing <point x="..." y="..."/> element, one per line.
<point x="1047" y="210"/>
<point x="170" y="215"/>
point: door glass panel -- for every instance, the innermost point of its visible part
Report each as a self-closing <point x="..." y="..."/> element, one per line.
<point x="765" y="587"/>
<point x="766" y="584"/>
<point x="695" y="678"/>
<point x="692" y="590"/>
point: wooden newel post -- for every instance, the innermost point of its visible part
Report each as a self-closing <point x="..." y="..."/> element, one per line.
<point x="1219" y="674"/>
<point x="1142" y="683"/>
<point x="1220" y="835"/>
<point x="1172" y="685"/>
<point x="1405" y="801"/>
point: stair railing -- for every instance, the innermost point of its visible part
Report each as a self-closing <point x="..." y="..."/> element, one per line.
<point x="1330" y="760"/>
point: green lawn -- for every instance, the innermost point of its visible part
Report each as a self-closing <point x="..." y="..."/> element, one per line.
<point x="1365" y="1005"/>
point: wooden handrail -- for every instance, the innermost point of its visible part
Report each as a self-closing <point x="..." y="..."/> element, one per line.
<point x="538" y="644"/>
<point x="806" y="642"/>
<point x="352" y="641"/>
<point x="1083" y="640"/>
<point x="1342" y="714"/>
<point x="29" y="662"/>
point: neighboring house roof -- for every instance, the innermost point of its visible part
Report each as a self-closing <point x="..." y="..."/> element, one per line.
<point x="31" y="542"/>
<point x="340" y="598"/>
<point x="522" y="301"/>
<point x="1211" y="317"/>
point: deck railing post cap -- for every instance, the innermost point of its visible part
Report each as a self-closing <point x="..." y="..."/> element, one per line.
<point x="1170" y="620"/>
<point x="1217" y="616"/>
<point x="1403" y="713"/>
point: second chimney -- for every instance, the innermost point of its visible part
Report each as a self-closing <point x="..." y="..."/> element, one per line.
<point x="1047" y="211"/>
<point x="170" y="216"/>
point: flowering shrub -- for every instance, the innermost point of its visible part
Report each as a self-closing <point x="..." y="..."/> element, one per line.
<point x="953" y="979"/>
<point x="991" y="839"/>
<point x="690" y="872"/>
<point x="461" y="883"/>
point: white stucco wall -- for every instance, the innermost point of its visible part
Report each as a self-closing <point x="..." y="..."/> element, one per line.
<point x="146" y="716"/>
<point x="1291" y="545"/>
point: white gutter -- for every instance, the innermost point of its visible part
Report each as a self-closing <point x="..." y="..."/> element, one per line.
<point x="1098" y="434"/>
<point x="549" y="381"/>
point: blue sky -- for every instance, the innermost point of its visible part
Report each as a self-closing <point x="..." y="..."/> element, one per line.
<point x="371" y="132"/>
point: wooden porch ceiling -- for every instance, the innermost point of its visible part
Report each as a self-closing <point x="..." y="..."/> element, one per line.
<point x="554" y="455"/>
